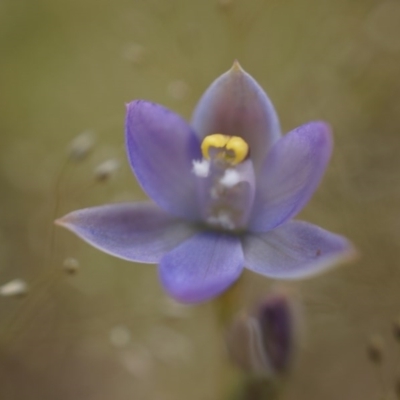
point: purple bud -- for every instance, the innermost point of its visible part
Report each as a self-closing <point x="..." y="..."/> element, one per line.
<point x="264" y="341"/>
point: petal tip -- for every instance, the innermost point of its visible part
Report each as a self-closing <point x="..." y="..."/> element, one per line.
<point x="317" y="126"/>
<point x="346" y="256"/>
<point x="60" y="222"/>
<point x="65" y="221"/>
<point x="324" y="127"/>
<point x="349" y="255"/>
<point x="236" y="67"/>
<point x="132" y="104"/>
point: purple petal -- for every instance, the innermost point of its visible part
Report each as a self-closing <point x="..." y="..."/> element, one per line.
<point x="161" y="148"/>
<point x="236" y="105"/>
<point x="295" y="250"/>
<point x="290" y="175"/>
<point x="136" y="232"/>
<point x="202" y="267"/>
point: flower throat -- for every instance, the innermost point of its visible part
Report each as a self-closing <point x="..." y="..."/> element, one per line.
<point x="227" y="187"/>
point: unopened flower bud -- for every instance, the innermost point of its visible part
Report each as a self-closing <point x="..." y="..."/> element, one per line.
<point x="375" y="349"/>
<point x="106" y="169"/>
<point x="81" y="146"/>
<point x="263" y="342"/>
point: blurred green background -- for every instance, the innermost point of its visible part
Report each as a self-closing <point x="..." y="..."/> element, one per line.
<point x="108" y="332"/>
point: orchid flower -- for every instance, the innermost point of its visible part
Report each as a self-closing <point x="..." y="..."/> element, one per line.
<point x="224" y="191"/>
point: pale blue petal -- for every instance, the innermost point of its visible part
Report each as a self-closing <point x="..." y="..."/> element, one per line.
<point x="290" y="174"/>
<point x="202" y="267"/>
<point x="161" y="148"/>
<point x="236" y="105"/>
<point x="139" y="232"/>
<point x="295" y="250"/>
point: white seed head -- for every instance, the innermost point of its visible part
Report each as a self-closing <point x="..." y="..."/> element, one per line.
<point x="120" y="336"/>
<point x="71" y="265"/>
<point x="81" y="146"/>
<point x="106" y="169"/>
<point x="16" y="287"/>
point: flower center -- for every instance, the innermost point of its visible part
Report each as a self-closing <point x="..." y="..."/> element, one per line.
<point x="232" y="149"/>
<point x="227" y="181"/>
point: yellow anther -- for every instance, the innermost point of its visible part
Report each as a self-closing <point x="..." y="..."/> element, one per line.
<point x="217" y="140"/>
<point x="232" y="149"/>
<point x="239" y="147"/>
